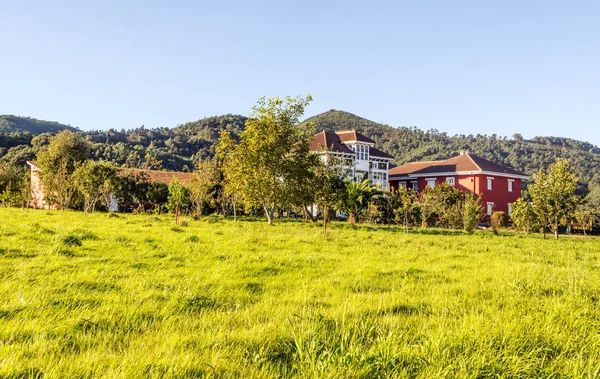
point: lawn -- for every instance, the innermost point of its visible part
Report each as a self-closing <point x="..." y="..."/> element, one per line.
<point x="136" y="296"/>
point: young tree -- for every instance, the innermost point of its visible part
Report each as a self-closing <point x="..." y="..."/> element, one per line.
<point x="472" y="211"/>
<point x="523" y="216"/>
<point x="58" y="162"/>
<point x="272" y="158"/>
<point x="328" y="186"/>
<point x="553" y="195"/>
<point x="407" y="210"/>
<point x="14" y="185"/>
<point x="206" y="177"/>
<point x="442" y="204"/>
<point x="178" y="197"/>
<point x="91" y="178"/>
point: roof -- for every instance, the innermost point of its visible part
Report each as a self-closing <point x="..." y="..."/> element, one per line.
<point x="463" y="163"/>
<point x="409" y="168"/>
<point x="330" y="140"/>
<point x="373" y="152"/>
<point x="156" y="176"/>
<point x="352" y="135"/>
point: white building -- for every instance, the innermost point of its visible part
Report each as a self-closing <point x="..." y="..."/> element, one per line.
<point x="357" y="151"/>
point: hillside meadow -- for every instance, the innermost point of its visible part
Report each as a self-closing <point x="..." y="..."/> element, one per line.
<point x="137" y="296"/>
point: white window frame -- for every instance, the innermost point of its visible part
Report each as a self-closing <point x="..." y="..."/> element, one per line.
<point x="509" y="209"/>
<point x="490" y="208"/>
<point x="415" y="185"/>
<point x="511" y="185"/>
<point x="451" y="180"/>
<point x="490" y="183"/>
<point x="429" y="180"/>
<point x="403" y="184"/>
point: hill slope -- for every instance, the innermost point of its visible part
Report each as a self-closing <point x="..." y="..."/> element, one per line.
<point x="11" y="124"/>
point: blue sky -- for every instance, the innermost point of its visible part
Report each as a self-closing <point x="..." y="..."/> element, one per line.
<point x="529" y="67"/>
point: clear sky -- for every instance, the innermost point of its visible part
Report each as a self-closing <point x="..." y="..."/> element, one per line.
<point x="503" y="67"/>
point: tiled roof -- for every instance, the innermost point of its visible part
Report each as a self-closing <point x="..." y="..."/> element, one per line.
<point x="373" y="152"/>
<point x="463" y="163"/>
<point x="331" y="141"/>
<point x="156" y="176"/>
<point x="352" y="135"/>
<point x="409" y="168"/>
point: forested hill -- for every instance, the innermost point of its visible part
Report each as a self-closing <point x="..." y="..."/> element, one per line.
<point x="11" y="124"/>
<point x="408" y="144"/>
<point x="180" y="147"/>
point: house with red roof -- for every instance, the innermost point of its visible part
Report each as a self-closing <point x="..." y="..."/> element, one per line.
<point x="357" y="151"/>
<point x="497" y="186"/>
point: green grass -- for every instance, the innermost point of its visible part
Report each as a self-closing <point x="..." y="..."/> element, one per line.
<point x="135" y="296"/>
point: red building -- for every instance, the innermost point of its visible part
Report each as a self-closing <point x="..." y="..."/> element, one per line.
<point x="497" y="186"/>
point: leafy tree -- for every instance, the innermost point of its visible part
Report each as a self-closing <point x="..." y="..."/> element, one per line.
<point x="94" y="180"/>
<point x="442" y="204"/>
<point x="14" y="185"/>
<point x="472" y="211"/>
<point x="407" y="211"/>
<point x="272" y="158"/>
<point x="585" y="219"/>
<point x="328" y="186"/>
<point x="206" y="178"/>
<point x="523" y="216"/>
<point x="58" y="162"/>
<point x="553" y="194"/>
<point x="178" y="197"/>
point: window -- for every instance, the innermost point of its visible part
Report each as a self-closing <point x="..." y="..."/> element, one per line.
<point x="509" y="208"/>
<point x="490" y="208"/>
<point x="402" y="184"/>
<point x="450" y="181"/>
<point x="511" y="185"/>
<point x="431" y="182"/>
<point x="490" y="184"/>
<point x="415" y="186"/>
<point x="384" y="176"/>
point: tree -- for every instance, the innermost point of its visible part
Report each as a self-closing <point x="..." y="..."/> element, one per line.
<point x="553" y="194"/>
<point x="472" y="211"/>
<point x="206" y="177"/>
<point x="356" y="199"/>
<point x="93" y="180"/>
<point x="178" y="197"/>
<point x="58" y="162"/>
<point x="272" y="159"/>
<point x="14" y="185"/>
<point x="407" y="210"/>
<point x="328" y="185"/>
<point x="585" y="219"/>
<point x="523" y="216"/>
<point x="442" y="204"/>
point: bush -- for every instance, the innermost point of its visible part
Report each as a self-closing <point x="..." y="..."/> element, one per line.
<point x="499" y="220"/>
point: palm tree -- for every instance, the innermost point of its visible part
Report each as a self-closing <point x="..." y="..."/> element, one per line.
<point x="358" y="196"/>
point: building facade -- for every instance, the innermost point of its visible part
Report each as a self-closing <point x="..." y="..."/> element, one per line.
<point x="358" y="153"/>
<point x="496" y="186"/>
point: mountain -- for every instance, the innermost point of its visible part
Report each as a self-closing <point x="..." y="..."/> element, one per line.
<point x="180" y="147"/>
<point x="10" y="124"/>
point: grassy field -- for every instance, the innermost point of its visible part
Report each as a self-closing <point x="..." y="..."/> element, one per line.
<point x="135" y="296"/>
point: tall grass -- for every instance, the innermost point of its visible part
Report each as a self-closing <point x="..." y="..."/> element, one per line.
<point x="134" y="296"/>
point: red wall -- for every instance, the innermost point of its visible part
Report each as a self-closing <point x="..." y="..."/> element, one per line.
<point x="477" y="184"/>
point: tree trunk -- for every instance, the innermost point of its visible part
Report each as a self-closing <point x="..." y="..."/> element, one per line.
<point x="325" y="219"/>
<point x="269" y="216"/>
<point x="177" y="214"/>
<point x="555" y="230"/>
<point x="234" y="212"/>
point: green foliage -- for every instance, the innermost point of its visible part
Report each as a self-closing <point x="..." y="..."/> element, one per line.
<point x="178" y="198"/>
<point x="244" y="300"/>
<point x="14" y="185"/>
<point x="357" y="198"/>
<point x="57" y="163"/>
<point x="499" y="220"/>
<point x="204" y="185"/>
<point x="553" y="194"/>
<point x="95" y="181"/>
<point x="442" y="205"/>
<point x="10" y="123"/>
<point x="271" y="165"/>
<point x="328" y="185"/>
<point x="472" y="212"/>
<point x="523" y="216"/>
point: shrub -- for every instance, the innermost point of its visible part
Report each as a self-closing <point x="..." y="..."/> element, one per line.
<point x="499" y="220"/>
